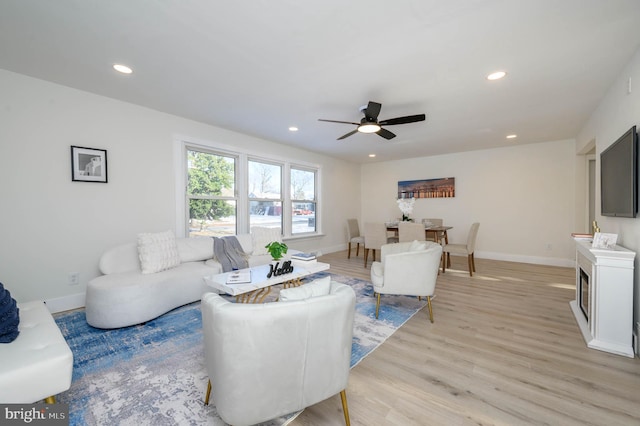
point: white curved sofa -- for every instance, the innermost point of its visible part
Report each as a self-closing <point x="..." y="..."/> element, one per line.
<point x="124" y="296"/>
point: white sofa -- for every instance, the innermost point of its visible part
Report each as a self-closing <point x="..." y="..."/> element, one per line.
<point x="124" y="296"/>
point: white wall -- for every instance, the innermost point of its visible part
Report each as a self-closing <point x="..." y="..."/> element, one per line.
<point x="523" y="197"/>
<point x="618" y="111"/>
<point x="51" y="226"/>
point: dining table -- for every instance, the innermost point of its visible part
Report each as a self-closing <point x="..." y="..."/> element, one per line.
<point x="430" y="230"/>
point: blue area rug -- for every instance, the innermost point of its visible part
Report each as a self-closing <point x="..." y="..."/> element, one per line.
<point x="154" y="374"/>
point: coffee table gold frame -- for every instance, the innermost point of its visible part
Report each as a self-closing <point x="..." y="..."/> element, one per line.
<point x="258" y="296"/>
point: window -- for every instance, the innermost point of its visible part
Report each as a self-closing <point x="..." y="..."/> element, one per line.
<point x="211" y="200"/>
<point x="303" y="200"/>
<point x="265" y="194"/>
<point x="225" y="192"/>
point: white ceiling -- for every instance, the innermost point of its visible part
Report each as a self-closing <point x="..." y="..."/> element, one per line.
<point x="258" y="67"/>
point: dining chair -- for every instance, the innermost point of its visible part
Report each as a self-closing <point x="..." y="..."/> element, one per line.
<point x="353" y="233"/>
<point x="375" y="236"/>
<point x="409" y="231"/>
<point x="462" y="249"/>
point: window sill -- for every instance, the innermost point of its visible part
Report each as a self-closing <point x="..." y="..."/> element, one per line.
<point x="303" y="237"/>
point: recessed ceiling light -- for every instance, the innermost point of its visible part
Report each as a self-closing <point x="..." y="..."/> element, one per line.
<point x="293" y="129"/>
<point x="512" y="136"/>
<point x="496" y="75"/>
<point x="372" y="155"/>
<point x="122" y="68"/>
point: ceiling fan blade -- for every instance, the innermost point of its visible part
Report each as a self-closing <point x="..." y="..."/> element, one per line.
<point x="385" y="134"/>
<point x="348" y="134"/>
<point x="372" y="111"/>
<point x="336" y="121"/>
<point x="403" y="120"/>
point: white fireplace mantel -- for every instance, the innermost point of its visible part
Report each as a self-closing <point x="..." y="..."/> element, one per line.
<point x="610" y="324"/>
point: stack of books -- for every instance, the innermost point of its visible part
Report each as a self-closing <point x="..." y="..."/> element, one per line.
<point x="239" y="277"/>
<point x="304" y="257"/>
<point x="580" y="236"/>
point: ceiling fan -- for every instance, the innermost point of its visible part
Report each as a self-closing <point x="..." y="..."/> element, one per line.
<point x="370" y="123"/>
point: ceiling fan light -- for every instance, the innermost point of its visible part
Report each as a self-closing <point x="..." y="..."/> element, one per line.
<point x="496" y="75"/>
<point x="122" y="68"/>
<point x="369" y="128"/>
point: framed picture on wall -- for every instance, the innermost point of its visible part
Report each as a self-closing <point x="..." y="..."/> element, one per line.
<point x="88" y="164"/>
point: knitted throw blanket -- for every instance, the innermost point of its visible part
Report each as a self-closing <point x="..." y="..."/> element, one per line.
<point x="228" y="251"/>
<point x="9" y="317"/>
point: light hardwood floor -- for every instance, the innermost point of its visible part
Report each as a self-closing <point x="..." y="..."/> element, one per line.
<point x="504" y="350"/>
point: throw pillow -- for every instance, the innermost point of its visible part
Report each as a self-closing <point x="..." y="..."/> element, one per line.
<point x="9" y="316"/>
<point x="262" y="236"/>
<point x="157" y="252"/>
<point x="319" y="287"/>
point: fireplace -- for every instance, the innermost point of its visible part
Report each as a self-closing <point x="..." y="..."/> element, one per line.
<point x="583" y="292"/>
<point x="603" y="307"/>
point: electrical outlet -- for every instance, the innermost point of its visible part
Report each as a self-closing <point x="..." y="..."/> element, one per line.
<point x="74" y="278"/>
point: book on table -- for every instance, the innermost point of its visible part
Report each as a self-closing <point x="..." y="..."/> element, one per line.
<point x="303" y="256"/>
<point x="239" y="277"/>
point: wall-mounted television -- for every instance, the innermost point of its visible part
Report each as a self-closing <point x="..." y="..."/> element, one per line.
<point x="619" y="177"/>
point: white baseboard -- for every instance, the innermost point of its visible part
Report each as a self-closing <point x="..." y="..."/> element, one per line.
<point x="75" y="301"/>
<point x="65" y="303"/>
<point x="550" y="261"/>
<point x="636" y="339"/>
<point x="536" y="260"/>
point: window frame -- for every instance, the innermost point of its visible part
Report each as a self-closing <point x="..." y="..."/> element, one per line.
<point x="281" y="199"/>
<point x="182" y="144"/>
<point x="302" y="168"/>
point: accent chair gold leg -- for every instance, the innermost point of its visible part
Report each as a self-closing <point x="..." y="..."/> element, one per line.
<point x="349" y="252"/>
<point x="345" y="407"/>
<point x="50" y="399"/>
<point x="358" y="249"/>
<point x="473" y="261"/>
<point x="430" y="309"/>
<point x="470" y="266"/>
<point x="366" y="255"/>
<point x="377" y="304"/>
<point x="206" y="397"/>
<point x="444" y="260"/>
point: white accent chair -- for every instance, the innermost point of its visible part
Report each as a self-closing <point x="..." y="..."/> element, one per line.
<point x="409" y="231"/>
<point x="353" y="234"/>
<point x="409" y="268"/>
<point x="38" y="364"/>
<point x="268" y="360"/>
<point x="467" y="249"/>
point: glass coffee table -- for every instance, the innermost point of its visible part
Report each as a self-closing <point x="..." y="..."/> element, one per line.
<point x="259" y="287"/>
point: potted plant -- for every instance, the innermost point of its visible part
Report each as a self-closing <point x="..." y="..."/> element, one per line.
<point x="276" y="249"/>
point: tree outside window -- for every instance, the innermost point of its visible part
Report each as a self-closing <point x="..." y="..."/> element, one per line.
<point x="211" y="193"/>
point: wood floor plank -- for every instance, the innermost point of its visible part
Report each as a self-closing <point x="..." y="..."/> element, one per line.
<point x="504" y="350"/>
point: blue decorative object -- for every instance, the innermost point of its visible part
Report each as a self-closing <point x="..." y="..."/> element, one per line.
<point x="9" y="316"/>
